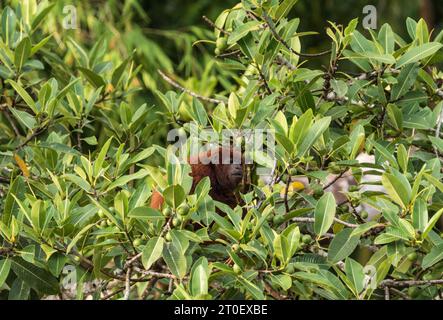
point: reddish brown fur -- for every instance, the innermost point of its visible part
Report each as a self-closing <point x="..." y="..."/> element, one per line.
<point x="156" y="200"/>
<point x="225" y="178"/>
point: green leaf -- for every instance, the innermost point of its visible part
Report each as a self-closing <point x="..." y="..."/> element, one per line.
<point x="398" y="189"/>
<point x="411" y="25"/>
<point x="242" y="31"/>
<point x="38" y="279"/>
<point x="22" y="53"/>
<point x="383" y="58"/>
<point x="145" y="213"/>
<point x="280" y="123"/>
<point x="324" y="213"/>
<point x="92" y="140"/>
<point x="255" y="291"/>
<point x="9" y="22"/>
<point x="5" y="266"/>
<point x="422" y="31"/>
<point x="434" y="256"/>
<point x="78" y="236"/>
<point x="108" y="214"/>
<point x="174" y="195"/>
<point x="437" y="142"/>
<point x="19" y="290"/>
<point x="118" y="73"/>
<point x="342" y="246"/>
<point x="313" y="134"/>
<point x="283" y="280"/>
<point x="402" y="157"/>
<point x="25" y="96"/>
<point x="41" y="16"/>
<point x="395" y="115"/>
<point x="292" y="234"/>
<point x="82" y="183"/>
<point x="95" y="79"/>
<point x="199" y="277"/>
<point x="146" y="153"/>
<point x="405" y="81"/>
<point x="432" y="223"/>
<point x="40" y="45"/>
<point x="25" y="118"/>
<point x="152" y="251"/>
<point x="56" y="263"/>
<point x="386" y="154"/>
<point x="199" y="113"/>
<point x="284" y="8"/>
<point x="314" y="278"/>
<point x="340" y="87"/>
<point x="363" y="228"/>
<point x="354" y="272"/>
<point x="156" y="174"/>
<point x="420" y="214"/>
<point x="98" y="164"/>
<point x="281" y="248"/>
<point x="125" y="179"/>
<point x="360" y="44"/>
<point x="175" y="260"/>
<point x="202" y="189"/>
<point x="386" y="38"/>
<point x="16" y="189"/>
<point x="299" y="128"/>
<point x="356" y="138"/>
<point x="389" y="236"/>
<point x="419" y="53"/>
<point x="434" y="181"/>
<point x="121" y="205"/>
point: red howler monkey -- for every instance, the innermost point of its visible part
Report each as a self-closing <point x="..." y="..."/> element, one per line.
<point x="222" y="167"/>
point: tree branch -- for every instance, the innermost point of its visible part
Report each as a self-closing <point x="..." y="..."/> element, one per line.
<point x="408" y="283"/>
<point x="271" y="26"/>
<point x="191" y="93"/>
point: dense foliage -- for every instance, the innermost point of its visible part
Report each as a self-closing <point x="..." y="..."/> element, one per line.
<point x="81" y="154"/>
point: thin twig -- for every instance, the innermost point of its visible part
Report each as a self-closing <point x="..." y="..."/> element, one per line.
<point x="281" y="60"/>
<point x="263" y="78"/>
<point x="155" y="274"/>
<point x="110" y="295"/>
<point x="133" y="259"/>
<point x="387" y="294"/>
<point x="11" y="121"/>
<point x="171" y="282"/>
<point x="335" y="180"/>
<point x="286" y="192"/>
<point x="4" y="180"/>
<point x="408" y="283"/>
<point x="147" y="291"/>
<point x="212" y="24"/>
<point x="274" y="293"/>
<point x="400" y="293"/>
<point x="127" y="284"/>
<point x="312" y="220"/>
<point x="191" y="93"/>
<point x="271" y="26"/>
<point x="34" y="135"/>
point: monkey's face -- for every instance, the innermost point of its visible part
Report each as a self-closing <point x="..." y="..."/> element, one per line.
<point x="229" y="176"/>
<point x="229" y="171"/>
